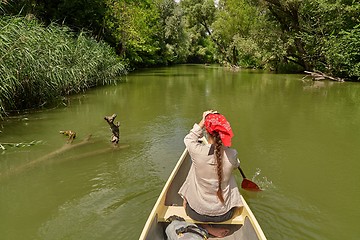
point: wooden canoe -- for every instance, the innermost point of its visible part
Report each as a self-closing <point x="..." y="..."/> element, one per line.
<point x="243" y="225"/>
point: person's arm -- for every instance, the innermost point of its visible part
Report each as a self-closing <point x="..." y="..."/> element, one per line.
<point x="191" y="139"/>
<point x="202" y="122"/>
<point x="233" y="158"/>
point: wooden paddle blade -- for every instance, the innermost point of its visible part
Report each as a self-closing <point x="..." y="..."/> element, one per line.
<point x="249" y="185"/>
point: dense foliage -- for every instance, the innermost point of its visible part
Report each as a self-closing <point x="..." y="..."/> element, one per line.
<point x="319" y="34"/>
<point x="282" y="35"/>
<point x="39" y="65"/>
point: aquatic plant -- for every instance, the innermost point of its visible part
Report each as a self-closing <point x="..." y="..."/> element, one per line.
<point x="41" y="64"/>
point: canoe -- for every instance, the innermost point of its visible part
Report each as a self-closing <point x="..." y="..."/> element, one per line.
<point x="243" y="225"/>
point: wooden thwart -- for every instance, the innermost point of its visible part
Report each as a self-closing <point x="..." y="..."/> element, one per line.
<point x="180" y="211"/>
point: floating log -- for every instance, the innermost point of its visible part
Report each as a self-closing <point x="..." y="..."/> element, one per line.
<point x="20" y="144"/>
<point x="318" y="76"/>
<point x="36" y="162"/>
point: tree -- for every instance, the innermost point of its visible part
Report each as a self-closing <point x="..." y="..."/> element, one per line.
<point x="175" y="42"/>
<point x="200" y="14"/>
<point x="77" y="14"/>
<point x="133" y="26"/>
<point x="331" y="36"/>
<point x="319" y="34"/>
<point x="236" y="24"/>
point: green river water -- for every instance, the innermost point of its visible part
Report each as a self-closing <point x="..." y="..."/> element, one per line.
<point x="298" y="139"/>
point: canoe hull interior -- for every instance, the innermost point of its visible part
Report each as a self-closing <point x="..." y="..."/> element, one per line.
<point x="239" y="232"/>
<point x="155" y="226"/>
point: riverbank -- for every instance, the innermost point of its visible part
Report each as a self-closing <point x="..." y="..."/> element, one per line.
<point x="40" y="65"/>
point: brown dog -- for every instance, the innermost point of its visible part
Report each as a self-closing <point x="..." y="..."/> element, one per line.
<point x="114" y="128"/>
<point x="70" y="134"/>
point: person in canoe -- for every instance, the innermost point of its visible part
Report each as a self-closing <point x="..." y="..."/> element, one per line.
<point x="210" y="191"/>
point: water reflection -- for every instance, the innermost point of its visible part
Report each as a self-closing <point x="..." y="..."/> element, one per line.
<point x="303" y="136"/>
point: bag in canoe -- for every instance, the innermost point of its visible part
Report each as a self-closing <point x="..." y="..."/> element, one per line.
<point x="179" y="229"/>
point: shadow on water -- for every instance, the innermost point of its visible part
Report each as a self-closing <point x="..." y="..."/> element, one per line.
<point x="55" y="156"/>
<point x="164" y="74"/>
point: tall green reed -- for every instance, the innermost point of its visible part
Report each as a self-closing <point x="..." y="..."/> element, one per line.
<point x="39" y="65"/>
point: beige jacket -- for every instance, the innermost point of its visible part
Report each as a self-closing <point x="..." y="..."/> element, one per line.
<point x="201" y="184"/>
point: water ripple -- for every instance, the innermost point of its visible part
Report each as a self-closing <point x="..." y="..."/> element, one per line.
<point x="286" y="217"/>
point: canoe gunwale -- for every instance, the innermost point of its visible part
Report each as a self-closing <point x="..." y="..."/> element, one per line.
<point x="161" y="200"/>
<point x="158" y="212"/>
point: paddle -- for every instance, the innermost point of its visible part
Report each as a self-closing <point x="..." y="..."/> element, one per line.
<point x="247" y="184"/>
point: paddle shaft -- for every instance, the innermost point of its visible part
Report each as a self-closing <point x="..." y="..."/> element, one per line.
<point x="241" y="171"/>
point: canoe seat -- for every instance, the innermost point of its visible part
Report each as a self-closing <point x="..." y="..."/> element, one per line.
<point x="180" y="211"/>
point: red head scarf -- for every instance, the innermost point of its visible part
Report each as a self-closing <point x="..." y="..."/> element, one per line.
<point x="215" y="122"/>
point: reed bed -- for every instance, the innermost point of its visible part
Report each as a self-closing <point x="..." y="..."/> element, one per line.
<point x="39" y="65"/>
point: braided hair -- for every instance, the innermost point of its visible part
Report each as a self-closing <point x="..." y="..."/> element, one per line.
<point x="218" y="157"/>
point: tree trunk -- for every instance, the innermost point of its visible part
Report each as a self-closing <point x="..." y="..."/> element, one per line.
<point x="317" y="76"/>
